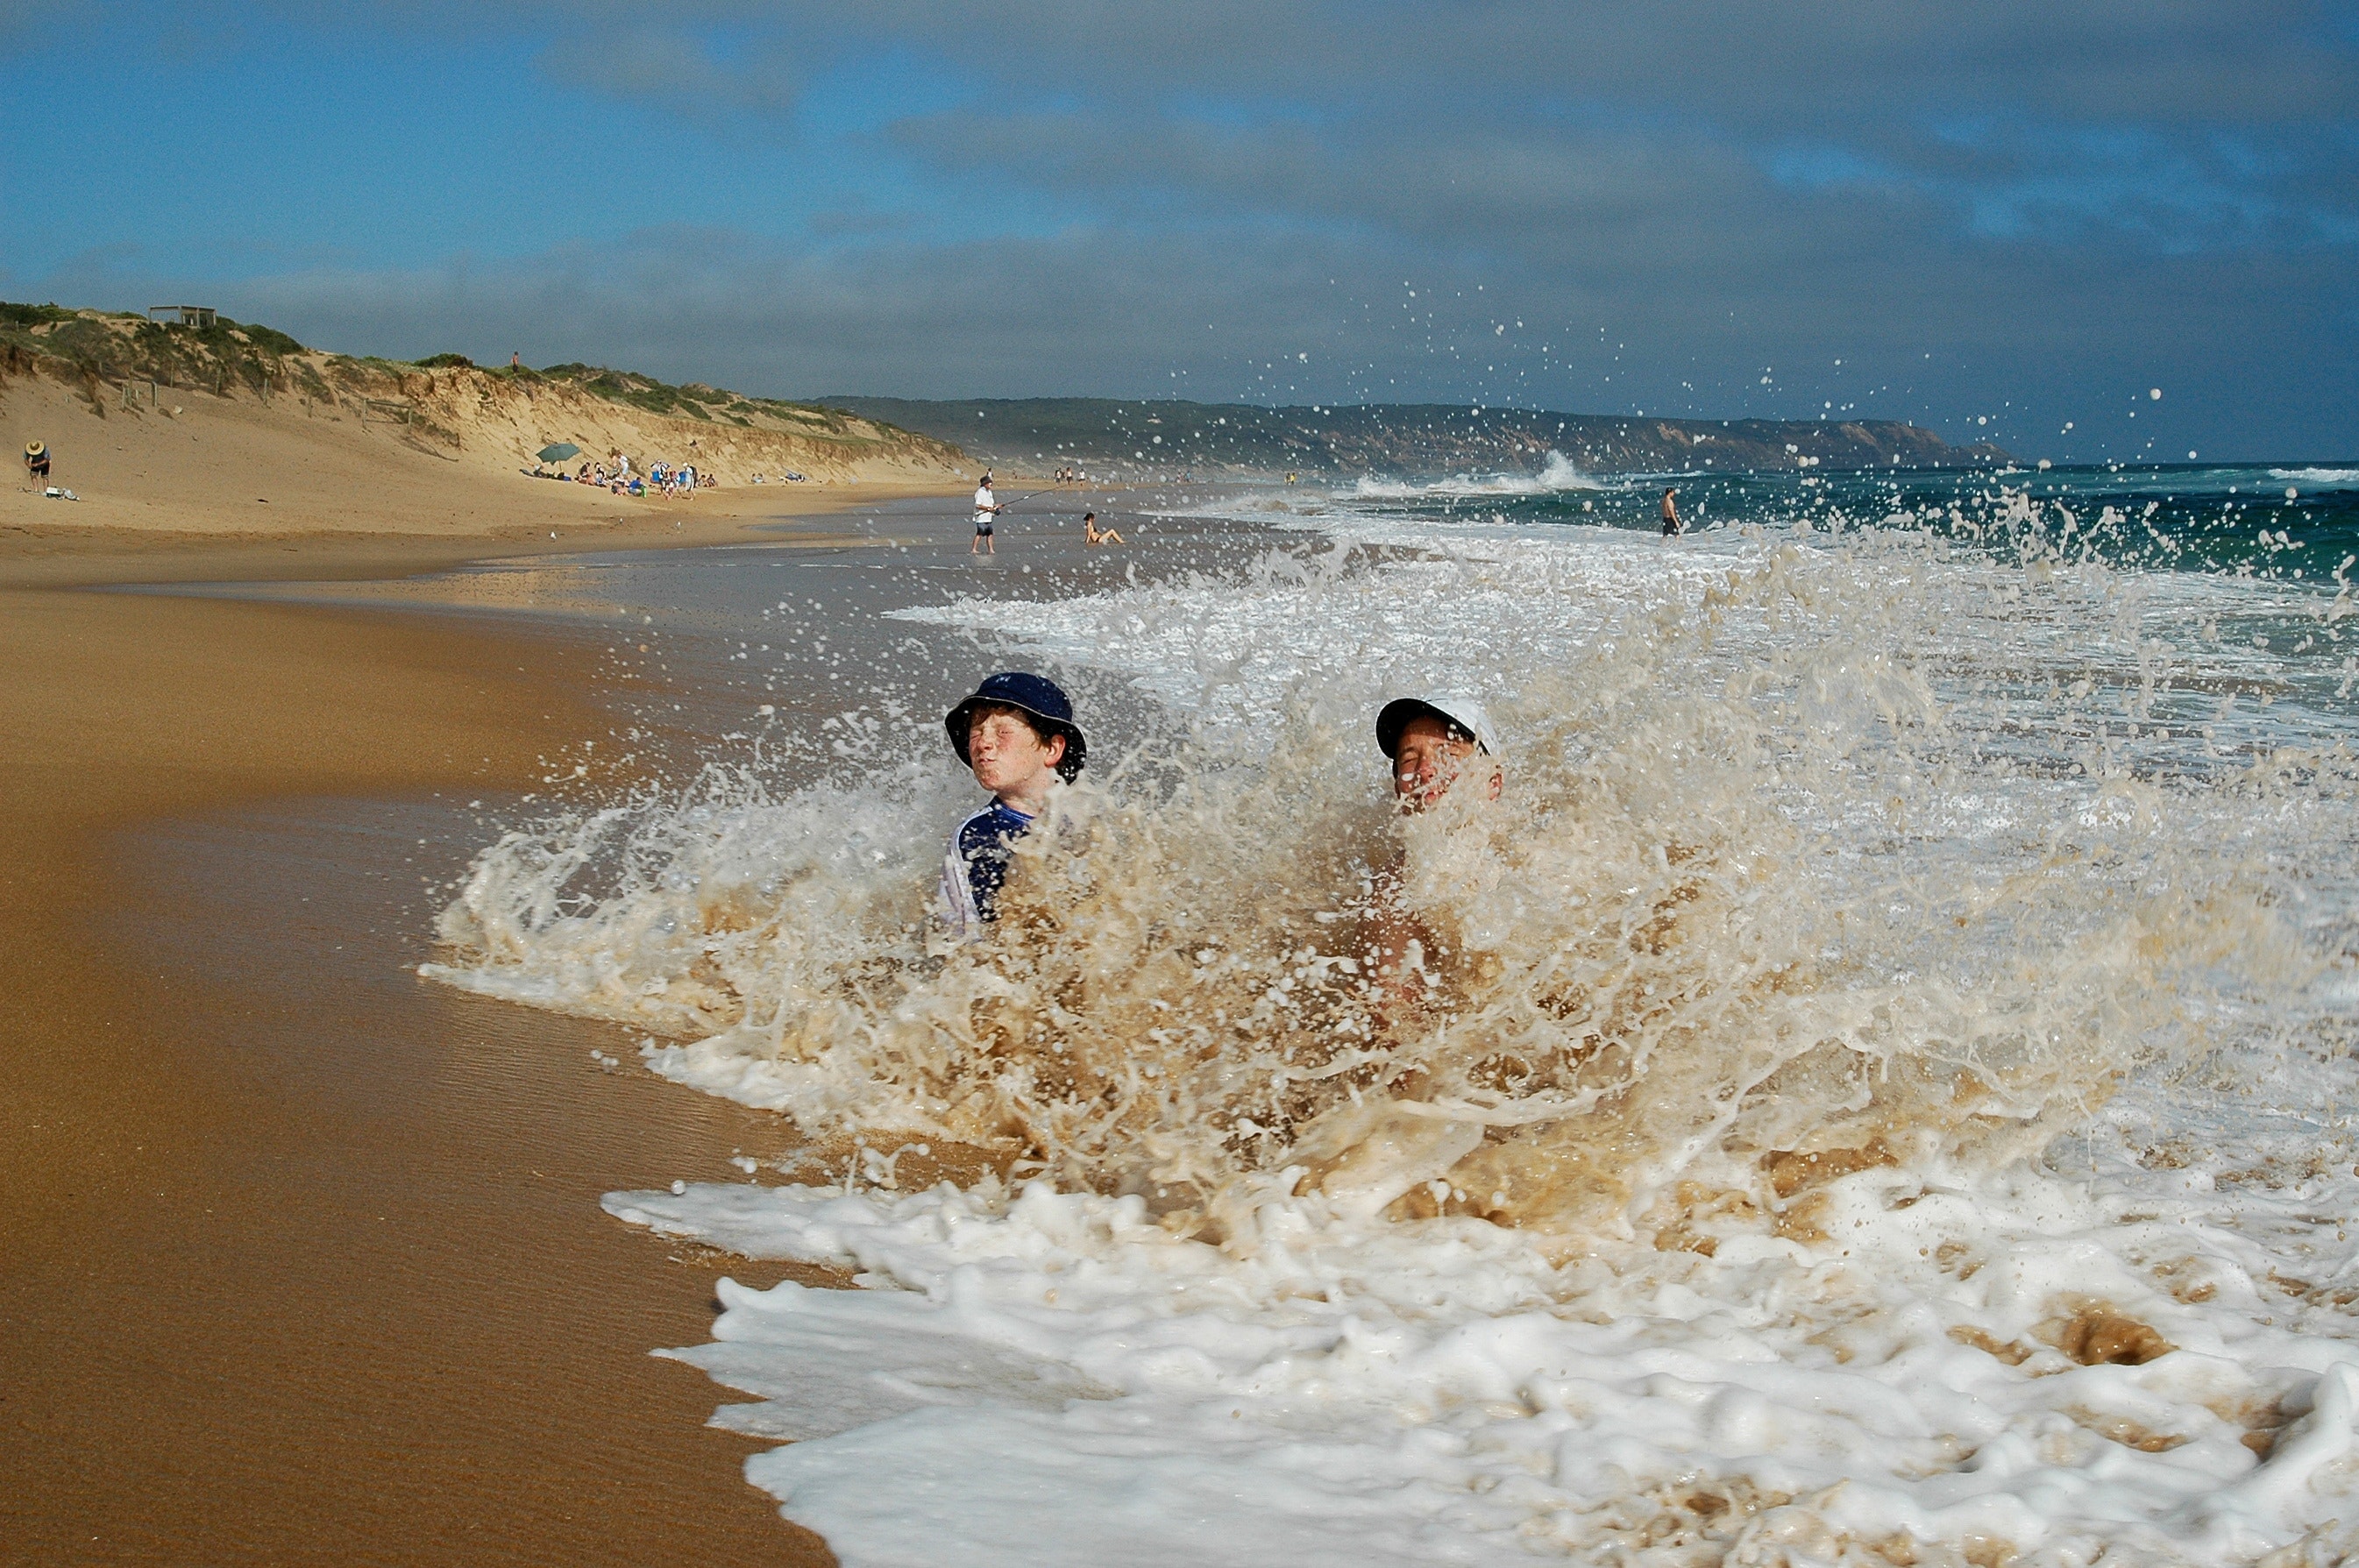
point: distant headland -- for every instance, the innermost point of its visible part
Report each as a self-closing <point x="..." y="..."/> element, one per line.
<point x="1117" y="438"/>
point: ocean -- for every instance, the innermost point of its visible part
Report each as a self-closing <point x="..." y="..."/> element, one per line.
<point x="1879" y="1094"/>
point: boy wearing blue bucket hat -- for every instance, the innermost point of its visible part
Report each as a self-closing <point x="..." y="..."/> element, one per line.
<point x="1018" y="734"/>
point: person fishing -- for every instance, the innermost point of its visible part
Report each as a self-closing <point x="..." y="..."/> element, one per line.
<point x="1673" y="525"/>
<point x="986" y="511"/>
<point x="1017" y="735"/>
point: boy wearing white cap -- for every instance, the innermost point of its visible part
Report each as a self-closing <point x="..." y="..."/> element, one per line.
<point x="1432" y="741"/>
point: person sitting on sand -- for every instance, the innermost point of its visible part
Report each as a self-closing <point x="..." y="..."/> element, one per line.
<point x="987" y="512"/>
<point x="1016" y="732"/>
<point x="37" y="464"/>
<point x="1094" y="535"/>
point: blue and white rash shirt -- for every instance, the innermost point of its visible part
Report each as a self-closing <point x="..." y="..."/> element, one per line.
<point x="974" y="865"/>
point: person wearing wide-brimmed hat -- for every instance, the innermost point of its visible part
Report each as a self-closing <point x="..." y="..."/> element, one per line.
<point x="36" y="462"/>
<point x="1016" y="733"/>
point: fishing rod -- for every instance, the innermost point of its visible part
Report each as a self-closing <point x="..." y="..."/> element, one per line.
<point x="1006" y="506"/>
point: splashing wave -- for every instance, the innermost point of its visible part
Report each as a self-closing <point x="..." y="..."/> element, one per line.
<point x="1809" y="861"/>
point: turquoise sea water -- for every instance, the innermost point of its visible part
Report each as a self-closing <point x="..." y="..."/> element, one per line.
<point x="2296" y="521"/>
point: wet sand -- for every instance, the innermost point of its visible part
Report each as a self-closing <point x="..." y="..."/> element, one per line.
<point x="60" y="555"/>
<point x="303" y="1261"/>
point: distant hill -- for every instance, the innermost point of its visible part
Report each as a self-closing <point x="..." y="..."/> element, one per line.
<point x="1141" y="440"/>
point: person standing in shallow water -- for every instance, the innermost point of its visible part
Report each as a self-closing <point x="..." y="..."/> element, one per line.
<point x="1672" y="525"/>
<point x="987" y="512"/>
<point x="1016" y="733"/>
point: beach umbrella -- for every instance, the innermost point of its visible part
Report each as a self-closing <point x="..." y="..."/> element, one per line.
<point x="560" y="452"/>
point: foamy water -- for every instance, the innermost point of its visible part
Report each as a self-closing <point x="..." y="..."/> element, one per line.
<point x="1874" y="1102"/>
<point x="1556" y="474"/>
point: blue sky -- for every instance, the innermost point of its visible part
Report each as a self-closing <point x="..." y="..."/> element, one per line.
<point x="1997" y="220"/>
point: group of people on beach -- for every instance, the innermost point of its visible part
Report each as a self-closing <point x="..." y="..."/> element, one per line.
<point x="661" y="477"/>
<point x="1018" y="734"/>
<point x="988" y="506"/>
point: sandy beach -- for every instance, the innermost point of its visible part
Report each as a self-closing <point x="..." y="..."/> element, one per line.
<point x="305" y="1257"/>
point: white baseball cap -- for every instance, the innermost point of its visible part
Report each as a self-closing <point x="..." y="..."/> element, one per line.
<point x="1464" y="714"/>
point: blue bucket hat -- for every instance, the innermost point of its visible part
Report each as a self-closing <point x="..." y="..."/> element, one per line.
<point x="1036" y="695"/>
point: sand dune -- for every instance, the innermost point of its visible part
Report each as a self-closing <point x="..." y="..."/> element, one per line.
<point x="318" y="449"/>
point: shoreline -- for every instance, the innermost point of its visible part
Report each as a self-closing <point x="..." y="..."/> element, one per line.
<point x="78" y="557"/>
<point x="275" y="1292"/>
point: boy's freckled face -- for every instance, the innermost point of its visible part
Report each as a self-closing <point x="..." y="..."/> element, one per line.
<point x="1007" y="756"/>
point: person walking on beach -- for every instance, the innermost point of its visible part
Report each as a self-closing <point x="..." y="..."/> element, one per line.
<point x="1094" y="535"/>
<point x="1016" y="733"/>
<point x="987" y="512"/>
<point x="1672" y="525"/>
<point x="37" y="464"/>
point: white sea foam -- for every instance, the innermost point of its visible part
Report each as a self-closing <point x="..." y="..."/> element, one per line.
<point x="1557" y="474"/>
<point x="1937" y="1363"/>
<point x="2318" y="475"/>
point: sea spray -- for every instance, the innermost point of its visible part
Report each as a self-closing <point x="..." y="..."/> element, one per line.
<point x="1808" y="862"/>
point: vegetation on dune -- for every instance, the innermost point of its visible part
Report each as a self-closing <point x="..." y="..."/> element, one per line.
<point x="695" y="400"/>
<point x="99" y="346"/>
<point x="32" y="315"/>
